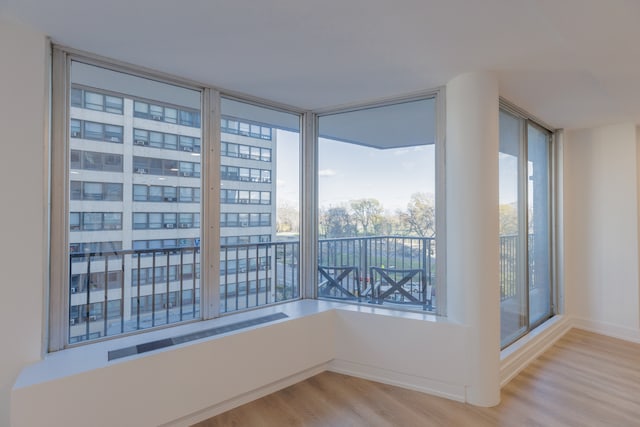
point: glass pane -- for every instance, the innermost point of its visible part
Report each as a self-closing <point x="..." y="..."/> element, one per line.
<point x="113" y="104"/>
<point x="170" y="194"/>
<point x="377" y="234"/>
<point x="76" y="97"/>
<point x="513" y="292"/>
<point x="93" y="130"/>
<point x="155" y="220"/>
<point x="240" y="222"/>
<point x="539" y="232"/>
<point x="76" y="129"/>
<point x="92" y="191"/>
<point x="139" y="220"/>
<point x="186" y="194"/>
<point x="93" y="101"/>
<point x="139" y="193"/>
<point x="109" y="211"/>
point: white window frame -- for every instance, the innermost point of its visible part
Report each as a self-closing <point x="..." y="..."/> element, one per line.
<point x="439" y="96"/>
<point x="59" y="192"/>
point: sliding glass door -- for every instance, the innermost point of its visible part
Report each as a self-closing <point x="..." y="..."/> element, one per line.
<point x="525" y="232"/>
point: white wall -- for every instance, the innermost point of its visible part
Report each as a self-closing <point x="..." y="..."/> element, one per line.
<point x="22" y="185"/>
<point x="158" y="388"/>
<point x="198" y="380"/>
<point x="601" y="229"/>
<point x="427" y="356"/>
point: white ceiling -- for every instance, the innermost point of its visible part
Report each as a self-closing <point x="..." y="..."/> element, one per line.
<point x="572" y="63"/>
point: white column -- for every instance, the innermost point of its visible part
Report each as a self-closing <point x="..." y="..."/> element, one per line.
<point x="472" y="227"/>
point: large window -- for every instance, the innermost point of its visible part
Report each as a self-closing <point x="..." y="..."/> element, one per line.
<point x="259" y="218"/>
<point x="128" y="166"/>
<point x="525" y="232"/>
<point x="377" y="205"/>
<point x="147" y="279"/>
<point x="129" y="182"/>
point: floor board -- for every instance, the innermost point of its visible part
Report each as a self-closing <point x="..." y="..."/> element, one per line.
<point x="585" y="379"/>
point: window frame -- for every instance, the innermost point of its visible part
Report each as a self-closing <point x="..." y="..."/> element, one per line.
<point x="59" y="293"/>
<point x="439" y="96"/>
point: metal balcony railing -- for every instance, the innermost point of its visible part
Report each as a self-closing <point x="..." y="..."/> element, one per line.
<point x="378" y="269"/>
<point x="116" y="292"/>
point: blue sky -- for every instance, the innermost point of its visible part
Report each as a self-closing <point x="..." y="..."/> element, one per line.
<point x="349" y="172"/>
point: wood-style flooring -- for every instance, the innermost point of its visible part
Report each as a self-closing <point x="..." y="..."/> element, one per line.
<point x="585" y="379"/>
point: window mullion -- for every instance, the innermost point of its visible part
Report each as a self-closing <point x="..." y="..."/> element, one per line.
<point x="308" y="203"/>
<point x="210" y="249"/>
<point x="523" y="220"/>
<point x="59" y="263"/>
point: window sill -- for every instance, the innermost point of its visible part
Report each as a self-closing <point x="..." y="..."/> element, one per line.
<point x="94" y="356"/>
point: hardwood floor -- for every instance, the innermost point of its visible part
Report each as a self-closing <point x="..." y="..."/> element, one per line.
<point x="583" y="380"/>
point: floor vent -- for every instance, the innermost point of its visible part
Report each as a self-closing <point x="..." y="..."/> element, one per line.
<point x="168" y="342"/>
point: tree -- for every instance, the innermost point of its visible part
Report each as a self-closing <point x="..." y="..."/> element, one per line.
<point x="367" y="215"/>
<point x="288" y="219"/>
<point x="336" y="222"/>
<point x="420" y="218"/>
<point x="508" y="220"/>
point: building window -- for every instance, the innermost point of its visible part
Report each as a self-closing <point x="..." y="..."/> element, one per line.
<point x="234" y="173"/>
<point x="168" y="141"/>
<point x="96" y="101"/>
<point x="91" y="160"/>
<point x="95" y="131"/>
<point x="245" y="219"/>
<point x="165" y="167"/>
<point x="165" y="194"/>
<point x="167" y="220"/>
<point x="108" y="191"/>
<point x="168" y="114"/>
<point x="246" y="152"/>
<point x="245" y="197"/>
<point x="95" y="221"/>
<point x="254" y="130"/>
<point x="525" y="230"/>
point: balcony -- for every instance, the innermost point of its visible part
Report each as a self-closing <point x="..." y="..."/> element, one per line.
<point x="390" y="270"/>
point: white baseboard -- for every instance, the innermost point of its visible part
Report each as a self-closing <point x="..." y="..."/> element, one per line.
<point x="518" y="355"/>
<point x="608" y="329"/>
<point x="412" y="382"/>
<point x="227" y="405"/>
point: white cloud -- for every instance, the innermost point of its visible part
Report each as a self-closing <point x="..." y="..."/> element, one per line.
<point x="326" y="172"/>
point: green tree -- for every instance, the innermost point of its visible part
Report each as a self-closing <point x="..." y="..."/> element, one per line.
<point x="287" y="219"/>
<point x="336" y="222"/>
<point x="419" y="218"/>
<point x="508" y="220"/>
<point x="367" y="215"/>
